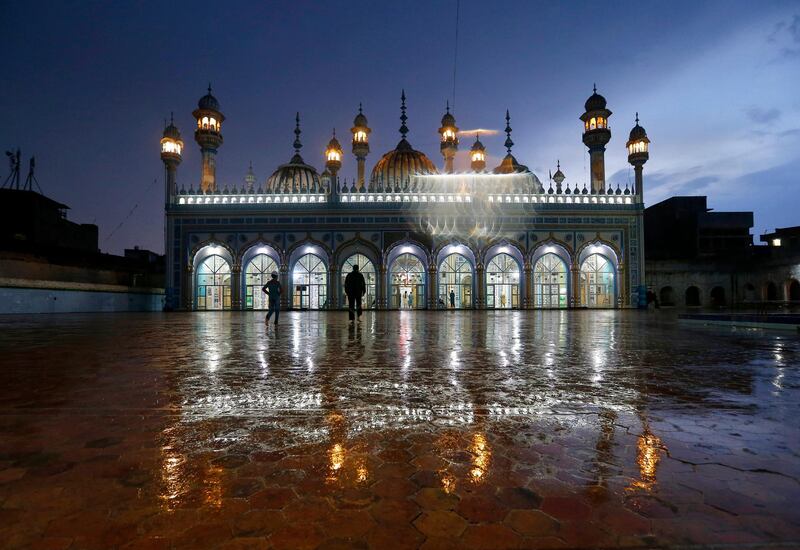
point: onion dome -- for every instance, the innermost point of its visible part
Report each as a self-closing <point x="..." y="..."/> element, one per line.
<point x="559" y="176"/>
<point x="448" y="119"/>
<point x="208" y="101"/>
<point x="295" y="176"/>
<point x="360" y="119"/>
<point x="402" y="163"/>
<point x="171" y="131"/>
<point x="333" y="144"/>
<point x="596" y="102"/>
<point x="637" y="132"/>
<point x="477" y="146"/>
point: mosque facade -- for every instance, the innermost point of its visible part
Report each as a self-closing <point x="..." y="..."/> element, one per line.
<point x="424" y="237"/>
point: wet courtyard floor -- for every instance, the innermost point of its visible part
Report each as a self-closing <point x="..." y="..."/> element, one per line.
<point x="578" y="429"/>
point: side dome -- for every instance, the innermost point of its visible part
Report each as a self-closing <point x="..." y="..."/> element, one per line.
<point x="596" y="102"/>
<point x="294" y="177"/>
<point x="637" y="132"/>
<point x="360" y="119"/>
<point x="208" y="101"/>
<point x="399" y="165"/>
<point x="172" y="132"/>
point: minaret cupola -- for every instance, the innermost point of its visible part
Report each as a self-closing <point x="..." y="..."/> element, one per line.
<point x="448" y="133"/>
<point x="360" y="131"/>
<point x="596" y="135"/>
<point x="638" y="152"/>
<point x="477" y="155"/>
<point x="208" y="136"/>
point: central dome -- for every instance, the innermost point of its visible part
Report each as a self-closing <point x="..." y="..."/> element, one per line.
<point x="399" y="165"/>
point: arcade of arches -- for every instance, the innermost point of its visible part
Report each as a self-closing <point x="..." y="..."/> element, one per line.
<point x="409" y="281"/>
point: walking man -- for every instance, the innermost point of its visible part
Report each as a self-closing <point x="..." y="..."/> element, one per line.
<point x="355" y="288"/>
<point x="273" y="291"/>
<point x="452" y="299"/>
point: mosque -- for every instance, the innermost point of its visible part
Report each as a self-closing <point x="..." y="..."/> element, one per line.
<point x="424" y="237"/>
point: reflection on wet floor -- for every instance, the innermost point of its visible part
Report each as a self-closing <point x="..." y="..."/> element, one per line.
<point x="484" y="430"/>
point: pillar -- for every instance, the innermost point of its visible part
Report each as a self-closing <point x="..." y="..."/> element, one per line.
<point x="360" y="163"/>
<point x="286" y="285"/>
<point x="333" y="285"/>
<point x="432" y="286"/>
<point x="383" y="288"/>
<point x="598" y="169"/>
<point x="480" y="303"/>
<point x="188" y="287"/>
<point x="623" y="299"/>
<point x="527" y="302"/>
<point x="575" y="284"/>
<point x="637" y="170"/>
<point x="236" y="286"/>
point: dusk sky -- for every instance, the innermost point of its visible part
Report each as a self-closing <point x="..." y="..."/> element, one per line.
<point x="87" y="86"/>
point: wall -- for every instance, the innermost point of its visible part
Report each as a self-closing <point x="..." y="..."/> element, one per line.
<point x="32" y="296"/>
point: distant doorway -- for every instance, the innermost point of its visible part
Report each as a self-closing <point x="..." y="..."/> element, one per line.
<point x="667" y="296"/>
<point x="717" y="296"/>
<point x="692" y="297"/>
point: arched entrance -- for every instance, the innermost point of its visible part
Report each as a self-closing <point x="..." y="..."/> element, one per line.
<point x="550" y="282"/>
<point x="367" y="268"/>
<point x="213" y="283"/>
<point x="256" y="274"/>
<point x="407" y="282"/>
<point x="749" y="292"/>
<point x="692" y="297"/>
<point x="667" y="296"/>
<point x="597" y="281"/>
<point x="772" y="292"/>
<point x="717" y="296"/>
<point x="455" y="276"/>
<point x="309" y="283"/>
<point x="502" y="282"/>
<point x="793" y="291"/>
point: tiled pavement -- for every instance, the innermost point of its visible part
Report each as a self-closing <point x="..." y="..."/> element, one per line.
<point x="432" y="430"/>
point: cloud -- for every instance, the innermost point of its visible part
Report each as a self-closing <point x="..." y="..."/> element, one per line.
<point x="761" y="115"/>
<point x="786" y="35"/>
<point x="481" y="131"/>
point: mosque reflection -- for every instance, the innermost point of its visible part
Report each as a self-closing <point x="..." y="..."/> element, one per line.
<point x="460" y="388"/>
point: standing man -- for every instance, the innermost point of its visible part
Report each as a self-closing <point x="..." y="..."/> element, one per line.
<point x="452" y="298"/>
<point x="273" y="290"/>
<point x="355" y="287"/>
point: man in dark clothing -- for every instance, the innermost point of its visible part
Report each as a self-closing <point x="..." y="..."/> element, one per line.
<point x="273" y="290"/>
<point x="452" y="299"/>
<point x="355" y="288"/>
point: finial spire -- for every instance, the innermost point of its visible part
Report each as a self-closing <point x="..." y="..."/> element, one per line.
<point x="297" y="144"/>
<point x="334" y="132"/>
<point x="508" y="144"/>
<point x="209" y="87"/>
<point x="403" y="117"/>
<point x="594" y="87"/>
<point x="558" y="165"/>
<point x="637" y="118"/>
<point x="359" y="108"/>
<point x="172" y="121"/>
<point x="448" y="106"/>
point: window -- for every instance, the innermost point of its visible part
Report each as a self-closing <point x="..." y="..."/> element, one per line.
<point x="502" y="282"/>
<point x="407" y="283"/>
<point x="597" y="281"/>
<point x="550" y="282"/>
<point x="455" y="282"/>
<point x="258" y="272"/>
<point x="213" y="284"/>
<point x="367" y="269"/>
<point x="310" y="283"/>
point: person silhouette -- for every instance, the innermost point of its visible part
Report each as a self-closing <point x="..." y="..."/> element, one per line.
<point x="273" y="291"/>
<point x="355" y="287"/>
<point x="452" y="298"/>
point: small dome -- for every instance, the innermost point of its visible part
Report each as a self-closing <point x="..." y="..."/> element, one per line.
<point x="360" y="119"/>
<point x="208" y="101"/>
<point x="509" y="165"/>
<point x="448" y="119"/>
<point x="397" y="166"/>
<point x="637" y="132"/>
<point x="477" y="146"/>
<point x="596" y="102"/>
<point x="334" y="144"/>
<point x="171" y="131"/>
<point x="294" y="177"/>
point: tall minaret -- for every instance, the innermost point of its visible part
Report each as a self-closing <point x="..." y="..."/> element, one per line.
<point x="250" y="179"/>
<point x="595" y="136"/>
<point x="171" y="150"/>
<point x="477" y="155"/>
<point x="638" y="146"/>
<point x="449" y="136"/>
<point x="361" y="133"/>
<point x="208" y="135"/>
<point x="333" y="162"/>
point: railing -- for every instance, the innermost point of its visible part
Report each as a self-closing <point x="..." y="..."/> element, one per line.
<point x="271" y="198"/>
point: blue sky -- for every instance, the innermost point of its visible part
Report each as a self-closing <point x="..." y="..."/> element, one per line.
<point x="88" y="85"/>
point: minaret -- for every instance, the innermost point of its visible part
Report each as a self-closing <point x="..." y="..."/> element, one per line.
<point x="638" y="146"/>
<point x="360" y="132"/>
<point x="333" y="162"/>
<point x="208" y="135"/>
<point x="477" y="155"/>
<point x="595" y="136"/>
<point x="449" y="136"/>
<point x="250" y="179"/>
<point x="171" y="150"/>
